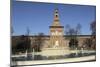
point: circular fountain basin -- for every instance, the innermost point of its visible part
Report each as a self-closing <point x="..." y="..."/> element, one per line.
<point x="54" y="51"/>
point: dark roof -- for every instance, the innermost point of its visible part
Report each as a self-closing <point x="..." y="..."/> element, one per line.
<point x="49" y="35"/>
<point x="56" y="26"/>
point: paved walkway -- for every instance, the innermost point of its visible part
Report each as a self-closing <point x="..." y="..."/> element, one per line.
<point x="68" y="60"/>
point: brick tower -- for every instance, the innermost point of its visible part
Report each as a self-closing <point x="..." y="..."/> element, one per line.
<point x="56" y="32"/>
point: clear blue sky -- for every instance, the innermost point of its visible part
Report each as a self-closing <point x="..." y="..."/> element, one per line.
<point x="39" y="16"/>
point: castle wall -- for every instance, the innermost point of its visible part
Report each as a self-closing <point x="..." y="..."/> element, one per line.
<point x="46" y="40"/>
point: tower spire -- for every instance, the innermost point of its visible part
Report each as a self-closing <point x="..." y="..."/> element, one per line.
<point x="56" y="18"/>
<point x="56" y="15"/>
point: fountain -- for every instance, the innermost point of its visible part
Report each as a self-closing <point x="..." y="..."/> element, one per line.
<point x="82" y="51"/>
<point x="26" y="54"/>
<point x="76" y="52"/>
<point x="56" y="50"/>
<point x="33" y="53"/>
<point x="56" y="44"/>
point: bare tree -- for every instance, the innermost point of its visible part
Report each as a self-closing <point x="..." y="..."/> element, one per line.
<point x="12" y="30"/>
<point x="28" y="41"/>
<point x="14" y="42"/>
<point x="67" y="27"/>
<point x="73" y="40"/>
<point x="73" y="32"/>
<point x="27" y="31"/>
<point x="39" y="39"/>
<point x="90" y="43"/>
<point x="21" y="45"/>
<point x="93" y="27"/>
<point x="73" y="43"/>
<point x="78" y="29"/>
<point x="87" y="43"/>
<point x="93" y="33"/>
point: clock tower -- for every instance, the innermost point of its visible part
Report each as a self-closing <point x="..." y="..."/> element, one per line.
<point x="56" y="32"/>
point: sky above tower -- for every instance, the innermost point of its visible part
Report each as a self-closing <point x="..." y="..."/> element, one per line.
<point x="39" y="16"/>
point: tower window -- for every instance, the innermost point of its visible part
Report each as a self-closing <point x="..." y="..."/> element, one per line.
<point x="56" y="15"/>
<point x="56" y="12"/>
